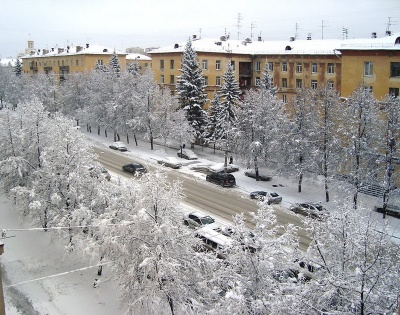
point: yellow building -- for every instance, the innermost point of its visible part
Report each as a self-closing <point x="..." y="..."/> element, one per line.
<point x="61" y="61"/>
<point x="373" y="63"/>
<point x="143" y="61"/>
<point x="293" y="63"/>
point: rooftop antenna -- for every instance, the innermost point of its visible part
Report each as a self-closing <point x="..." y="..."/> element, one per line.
<point x="200" y="32"/>
<point x="239" y="18"/>
<point x="345" y="32"/>
<point x="252" y="25"/>
<point x="296" y="34"/>
<point x="322" y="28"/>
<point x="389" y="23"/>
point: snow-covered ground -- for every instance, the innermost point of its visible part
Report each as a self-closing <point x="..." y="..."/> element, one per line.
<point x="65" y="283"/>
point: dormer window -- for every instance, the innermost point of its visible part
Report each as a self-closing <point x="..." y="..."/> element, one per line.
<point x="397" y="42"/>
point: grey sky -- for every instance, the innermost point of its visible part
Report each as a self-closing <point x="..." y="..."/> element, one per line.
<point x="128" y="23"/>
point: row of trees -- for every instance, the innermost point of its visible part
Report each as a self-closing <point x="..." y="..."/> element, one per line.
<point x="49" y="170"/>
<point x="317" y="134"/>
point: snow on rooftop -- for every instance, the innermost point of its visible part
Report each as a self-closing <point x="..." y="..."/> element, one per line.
<point x="137" y="57"/>
<point x="75" y="50"/>
<point x="286" y="47"/>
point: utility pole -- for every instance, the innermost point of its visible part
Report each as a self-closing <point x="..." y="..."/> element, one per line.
<point x="2" y="304"/>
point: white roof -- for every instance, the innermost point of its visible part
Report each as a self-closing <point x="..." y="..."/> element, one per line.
<point x="288" y="47"/>
<point x="76" y="50"/>
<point x="137" y="57"/>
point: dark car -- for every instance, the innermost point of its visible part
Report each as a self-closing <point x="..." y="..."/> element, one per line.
<point x="270" y="197"/>
<point x="134" y="168"/>
<point x="223" y="179"/>
<point x="263" y="177"/>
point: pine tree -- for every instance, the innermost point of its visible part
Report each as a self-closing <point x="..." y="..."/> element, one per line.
<point x="190" y="88"/>
<point x="133" y="68"/>
<point x="18" y="67"/>
<point x="266" y="82"/>
<point x="114" y="63"/>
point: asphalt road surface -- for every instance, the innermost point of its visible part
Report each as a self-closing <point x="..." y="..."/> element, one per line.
<point x="224" y="202"/>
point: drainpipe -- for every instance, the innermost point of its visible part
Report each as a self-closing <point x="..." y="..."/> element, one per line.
<point x="2" y="304"/>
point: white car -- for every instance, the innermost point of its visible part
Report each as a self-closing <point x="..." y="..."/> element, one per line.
<point x="219" y="167"/>
<point x="198" y="220"/>
<point x="170" y="161"/>
<point x="187" y="154"/>
<point x="119" y="145"/>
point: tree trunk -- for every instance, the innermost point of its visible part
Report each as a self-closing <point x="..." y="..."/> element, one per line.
<point x="98" y="130"/>
<point x="300" y="181"/>
<point x="127" y="138"/>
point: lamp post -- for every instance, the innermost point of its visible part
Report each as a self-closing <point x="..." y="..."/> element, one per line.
<point x="2" y="304"/>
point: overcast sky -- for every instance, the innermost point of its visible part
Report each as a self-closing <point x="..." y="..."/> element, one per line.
<point x="121" y="24"/>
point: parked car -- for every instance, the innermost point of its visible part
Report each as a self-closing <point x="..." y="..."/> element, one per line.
<point x="214" y="241"/>
<point x="220" y="167"/>
<point x="270" y="197"/>
<point x="99" y="172"/>
<point x="119" y="145"/>
<point x="311" y="209"/>
<point x="170" y="161"/>
<point x="134" y="168"/>
<point x="261" y="176"/>
<point x="223" y="179"/>
<point x="187" y="154"/>
<point x="197" y="220"/>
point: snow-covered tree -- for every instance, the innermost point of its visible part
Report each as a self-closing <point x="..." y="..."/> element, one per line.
<point x="359" y="266"/>
<point x="114" y="64"/>
<point x="134" y="68"/>
<point x="18" y="67"/>
<point x="226" y="119"/>
<point x="191" y="89"/>
<point x="360" y="138"/>
<point x="153" y="257"/>
<point x="266" y="82"/>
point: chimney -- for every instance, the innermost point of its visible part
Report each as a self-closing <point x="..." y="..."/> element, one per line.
<point x="388" y="33"/>
<point x="87" y="45"/>
<point x="78" y="48"/>
<point x="194" y="37"/>
<point x="373" y="35"/>
<point x="292" y="39"/>
<point x="259" y="38"/>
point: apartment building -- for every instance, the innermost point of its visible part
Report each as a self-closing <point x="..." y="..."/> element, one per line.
<point x="71" y="59"/>
<point x="293" y="63"/>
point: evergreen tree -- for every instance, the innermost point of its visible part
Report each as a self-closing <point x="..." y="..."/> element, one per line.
<point x="266" y="82"/>
<point x="133" y="68"/>
<point x="18" y="67"/>
<point x="190" y="87"/>
<point x="210" y="134"/>
<point x="114" y="64"/>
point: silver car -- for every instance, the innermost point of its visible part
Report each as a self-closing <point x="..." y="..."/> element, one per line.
<point x="270" y="197"/>
<point x="310" y="209"/>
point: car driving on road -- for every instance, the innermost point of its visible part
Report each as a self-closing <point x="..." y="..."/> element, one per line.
<point x="134" y="168"/>
<point x="223" y="179"/>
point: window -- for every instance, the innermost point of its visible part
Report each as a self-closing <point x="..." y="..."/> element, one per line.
<point x="172" y="79"/>
<point x="331" y="68"/>
<point x="76" y="62"/>
<point x="331" y="84"/>
<point x="368" y="68"/>
<point x="218" y="65"/>
<point x="395" y="69"/>
<point x="258" y="81"/>
<point x="162" y="64"/>
<point x="284" y="98"/>
<point x="233" y="65"/>
<point x="314" y="67"/>
<point x="284" y="82"/>
<point x="299" y="68"/>
<point x="205" y="80"/>
<point x="258" y="66"/>
<point x="284" y="66"/>
<point x="270" y="66"/>
<point x="314" y="84"/>
<point x="205" y="65"/>
<point x="394" y="92"/>
<point x="299" y="83"/>
<point x="172" y="64"/>
<point x="100" y="62"/>
<point x="218" y="81"/>
<point x="162" y="79"/>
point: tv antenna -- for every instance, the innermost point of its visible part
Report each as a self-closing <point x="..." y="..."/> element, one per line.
<point x="252" y="26"/>
<point x="239" y="25"/>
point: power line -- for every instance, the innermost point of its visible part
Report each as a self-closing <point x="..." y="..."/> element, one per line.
<point x="57" y="275"/>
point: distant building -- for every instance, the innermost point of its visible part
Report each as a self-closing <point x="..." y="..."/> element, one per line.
<point x="142" y="60"/>
<point x="71" y="59"/>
